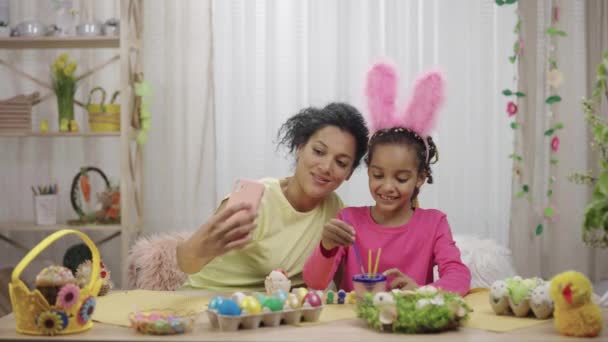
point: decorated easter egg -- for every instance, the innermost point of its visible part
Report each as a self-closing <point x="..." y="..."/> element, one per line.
<point x="313" y="299"/>
<point x="281" y="295"/>
<point x="260" y="296"/>
<point x="292" y="301"/>
<point x="498" y="289"/>
<point x="215" y="303"/>
<point x="238" y="297"/>
<point x="250" y="305"/>
<point x="301" y="292"/>
<point x="383" y="298"/>
<point x="273" y="304"/>
<point x="229" y="308"/>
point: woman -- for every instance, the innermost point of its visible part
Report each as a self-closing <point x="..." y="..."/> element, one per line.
<point x="328" y="144"/>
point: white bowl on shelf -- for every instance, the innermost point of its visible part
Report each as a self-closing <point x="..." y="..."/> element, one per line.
<point x="89" y="29"/>
<point x="30" y="28"/>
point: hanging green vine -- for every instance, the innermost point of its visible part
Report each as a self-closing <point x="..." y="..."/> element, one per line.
<point x="554" y="77"/>
<point x="595" y="224"/>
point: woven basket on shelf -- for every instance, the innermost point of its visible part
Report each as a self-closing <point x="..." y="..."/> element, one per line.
<point x="103" y="117"/>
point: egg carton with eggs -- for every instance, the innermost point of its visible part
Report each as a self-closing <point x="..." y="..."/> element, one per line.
<point x="251" y="312"/>
<point x="521" y="297"/>
<point x="267" y="319"/>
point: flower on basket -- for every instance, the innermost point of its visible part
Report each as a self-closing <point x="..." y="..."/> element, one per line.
<point x="86" y="311"/>
<point x="49" y="322"/>
<point x="64" y="84"/>
<point x="68" y="296"/>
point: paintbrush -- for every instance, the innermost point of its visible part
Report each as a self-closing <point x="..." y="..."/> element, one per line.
<point x="354" y="245"/>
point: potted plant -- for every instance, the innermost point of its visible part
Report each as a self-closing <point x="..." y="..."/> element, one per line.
<point x="595" y="224"/>
<point x="64" y="84"/>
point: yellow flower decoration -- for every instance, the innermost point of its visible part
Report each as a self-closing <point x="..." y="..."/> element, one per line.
<point x="59" y="64"/>
<point x="49" y="322"/>
<point x="64" y="57"/>
<point x="69" y="70"/>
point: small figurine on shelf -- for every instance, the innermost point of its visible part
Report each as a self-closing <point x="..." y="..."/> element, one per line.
<point x="64" y="125"/>
<point x="73" y="126"/>
<point x="44" y="126"/>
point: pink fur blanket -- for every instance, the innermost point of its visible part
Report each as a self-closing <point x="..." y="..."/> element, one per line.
<point x="152" y="264"/>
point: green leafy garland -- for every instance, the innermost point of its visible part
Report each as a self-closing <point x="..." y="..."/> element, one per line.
<point x="411" y="318"/>
<point x="595" y="224"/>
<point x="554" y="80"/>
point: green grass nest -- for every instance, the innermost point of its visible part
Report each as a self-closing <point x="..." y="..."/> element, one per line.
<point x="444" y="312"/>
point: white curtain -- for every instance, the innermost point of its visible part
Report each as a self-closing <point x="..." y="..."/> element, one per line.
<point x="179" y="171"/>
<point x="273" y="58"/>
<point x="544" y="255"/>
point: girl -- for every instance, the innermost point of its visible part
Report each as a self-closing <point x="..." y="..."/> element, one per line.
<point x="229" y="254"/>
<point x="413" y="240"/>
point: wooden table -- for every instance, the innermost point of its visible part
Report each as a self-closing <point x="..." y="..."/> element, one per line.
<point x="346" y="330"/>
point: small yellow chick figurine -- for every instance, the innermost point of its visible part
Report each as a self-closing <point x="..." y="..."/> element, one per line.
<point x="44" y="125"/>
<point x="575" y="313"/>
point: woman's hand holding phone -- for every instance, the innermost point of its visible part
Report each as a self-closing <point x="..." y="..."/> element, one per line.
<point x="216" y="237"/>
<point x="230" y="228"/>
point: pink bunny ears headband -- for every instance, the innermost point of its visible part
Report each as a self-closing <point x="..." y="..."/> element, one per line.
<point x="419" y="115"/>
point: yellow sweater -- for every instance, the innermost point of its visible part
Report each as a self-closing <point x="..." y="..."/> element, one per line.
<point x="284" y="238"/>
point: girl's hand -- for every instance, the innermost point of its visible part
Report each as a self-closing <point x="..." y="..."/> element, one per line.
<point x="401" y="281"/>
<point x="337" y="233"/>
<point x="216" y="237"/>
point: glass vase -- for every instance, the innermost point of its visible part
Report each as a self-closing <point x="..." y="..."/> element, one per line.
<point x="65" y="107"/>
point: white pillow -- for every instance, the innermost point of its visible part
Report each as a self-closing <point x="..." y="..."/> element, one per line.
<point x="487" y="260"/>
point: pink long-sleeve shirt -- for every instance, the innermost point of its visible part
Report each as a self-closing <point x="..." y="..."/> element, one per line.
<point x="414" y="248"/>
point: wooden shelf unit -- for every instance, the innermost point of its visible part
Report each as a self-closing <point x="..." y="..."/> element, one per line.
<point x="129" y="46"/>
<point x="60" y="134"/>
<point x="68" y="42"/>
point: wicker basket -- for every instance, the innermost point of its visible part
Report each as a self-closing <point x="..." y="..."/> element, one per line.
<point x="102" y="117"/>
<point x="16" y="113"/>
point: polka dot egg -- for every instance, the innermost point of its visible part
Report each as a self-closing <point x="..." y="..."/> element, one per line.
<point x="313" y="299"/>
<point x="215" y="303"/>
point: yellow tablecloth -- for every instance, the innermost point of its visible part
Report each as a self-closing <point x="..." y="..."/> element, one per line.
<point x="115" y="308"/>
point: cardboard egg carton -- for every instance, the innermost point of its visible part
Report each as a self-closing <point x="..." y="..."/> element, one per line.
<point x="266" y="319"/>
<point x="536" y="303"/>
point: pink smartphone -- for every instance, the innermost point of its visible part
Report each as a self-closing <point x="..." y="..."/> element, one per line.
<point x="246" y="191"/>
